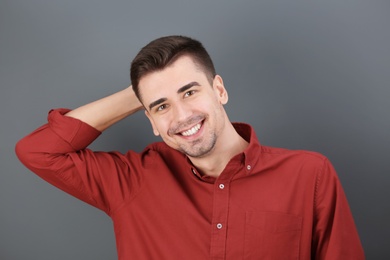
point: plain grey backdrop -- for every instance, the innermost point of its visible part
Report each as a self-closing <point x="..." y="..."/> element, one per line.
<point x="306" y="74"/>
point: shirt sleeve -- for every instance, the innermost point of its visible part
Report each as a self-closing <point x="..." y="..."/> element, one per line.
<point x="335" y="235"/>
<point x="57" y="153"/>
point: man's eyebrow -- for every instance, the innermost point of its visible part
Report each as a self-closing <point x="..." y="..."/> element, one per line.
<point x="180" y="90"/>
<point x="187" y="86"/>
<point x="157" y="102"/>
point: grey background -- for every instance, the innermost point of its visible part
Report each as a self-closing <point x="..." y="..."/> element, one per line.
<point x="306" y="74"/>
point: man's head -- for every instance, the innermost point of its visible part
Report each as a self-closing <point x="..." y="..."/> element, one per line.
<point x="175" y="80"/>
<point x="162" y="52"/>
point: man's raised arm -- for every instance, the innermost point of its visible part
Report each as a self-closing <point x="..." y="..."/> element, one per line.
<point x="105" y="112"/>
<point x="57" y="151"/>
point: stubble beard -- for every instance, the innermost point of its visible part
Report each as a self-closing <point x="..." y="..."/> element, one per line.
<point x="199" y="148"/>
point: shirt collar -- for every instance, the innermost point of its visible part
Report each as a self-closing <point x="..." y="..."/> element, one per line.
<point x="251" y="154"/>
<point x="248" y="158"/>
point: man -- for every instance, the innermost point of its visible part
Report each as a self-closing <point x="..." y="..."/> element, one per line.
<point x="210" y="190"/>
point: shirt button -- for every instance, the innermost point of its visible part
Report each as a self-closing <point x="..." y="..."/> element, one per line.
<point x="221" y="186"/>
<point x="248" y="167"/>
<point x="219" y="225"/>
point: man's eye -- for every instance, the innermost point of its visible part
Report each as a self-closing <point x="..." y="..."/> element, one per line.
<point x="162" y="107"/>
<point x="189" y="93"/>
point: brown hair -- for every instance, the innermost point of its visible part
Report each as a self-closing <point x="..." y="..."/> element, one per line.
<point x="163" y="51"/>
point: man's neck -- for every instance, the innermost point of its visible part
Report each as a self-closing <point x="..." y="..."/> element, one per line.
<point x="227" y="146"/>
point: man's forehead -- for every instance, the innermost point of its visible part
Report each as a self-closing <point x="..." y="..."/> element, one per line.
<point x="171" y="78"/>
<point x="183" y="63"/>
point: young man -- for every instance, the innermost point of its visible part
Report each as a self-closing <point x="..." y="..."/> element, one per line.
<point x="210" y="190"/>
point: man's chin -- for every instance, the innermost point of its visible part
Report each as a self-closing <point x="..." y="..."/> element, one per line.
<point x="200" y="152"/>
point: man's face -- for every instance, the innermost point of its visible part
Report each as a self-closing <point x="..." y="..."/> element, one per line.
<point x="184" y="108"/>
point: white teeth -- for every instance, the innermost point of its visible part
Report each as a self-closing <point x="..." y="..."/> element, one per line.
<point x="192" y="131"/>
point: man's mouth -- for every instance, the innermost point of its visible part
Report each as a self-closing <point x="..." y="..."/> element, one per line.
<point x="192" y="131"/>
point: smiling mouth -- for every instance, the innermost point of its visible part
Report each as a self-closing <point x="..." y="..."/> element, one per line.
<point x="192" y="131"/>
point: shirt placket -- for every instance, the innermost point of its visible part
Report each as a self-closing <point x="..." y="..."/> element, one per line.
<point x="220" y="217"/>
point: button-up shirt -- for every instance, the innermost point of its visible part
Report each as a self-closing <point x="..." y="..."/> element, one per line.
<point x="268" y="203"/>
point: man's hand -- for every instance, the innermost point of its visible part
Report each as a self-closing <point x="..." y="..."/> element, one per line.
<point x="105" y="112"/>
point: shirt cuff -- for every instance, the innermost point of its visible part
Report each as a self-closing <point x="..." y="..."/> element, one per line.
<point x="74" y="131"/>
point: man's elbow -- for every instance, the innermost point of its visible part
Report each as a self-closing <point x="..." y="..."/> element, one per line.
<point x="30" y="155"/>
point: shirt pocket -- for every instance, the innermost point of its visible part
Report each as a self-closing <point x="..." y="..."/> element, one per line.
<point x="272" y="235"/>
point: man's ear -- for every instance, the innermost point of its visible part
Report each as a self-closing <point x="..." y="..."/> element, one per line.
<point x="220" y="90"/>
<point x="155" y="131"/>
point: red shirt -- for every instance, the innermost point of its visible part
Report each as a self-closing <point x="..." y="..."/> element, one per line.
<point x="268" y="203"/>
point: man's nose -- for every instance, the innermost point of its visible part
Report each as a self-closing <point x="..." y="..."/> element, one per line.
<point x="181" y="113"/>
